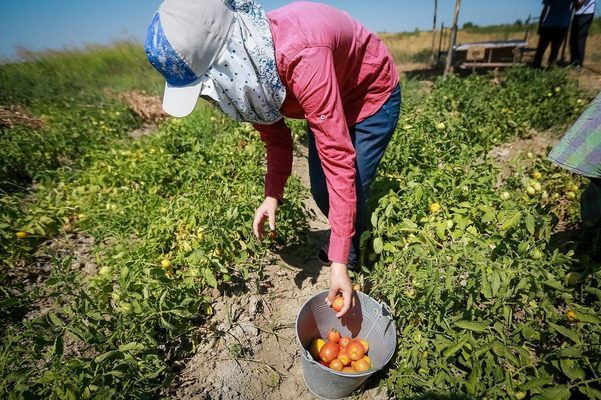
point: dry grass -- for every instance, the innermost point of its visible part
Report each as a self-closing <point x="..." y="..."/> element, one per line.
<point x="411" y="48"/>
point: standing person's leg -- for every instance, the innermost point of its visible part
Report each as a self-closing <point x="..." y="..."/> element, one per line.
<point x="585" y="22"/>
<point x="558" y="35"/>
<point x="370" y="138"/>
<point x="543" y="41"/>
<point x="574" y="53"/>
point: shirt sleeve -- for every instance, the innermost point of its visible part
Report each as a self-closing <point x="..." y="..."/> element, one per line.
<point x="278" y="144"/>
<point x="314" y="83"/>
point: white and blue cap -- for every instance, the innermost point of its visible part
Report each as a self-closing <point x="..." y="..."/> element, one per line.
<point x="184" y="39"/>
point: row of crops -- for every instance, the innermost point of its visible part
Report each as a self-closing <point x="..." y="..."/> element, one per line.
<point x="469" y="262"/>
<point x="491" y="302"/>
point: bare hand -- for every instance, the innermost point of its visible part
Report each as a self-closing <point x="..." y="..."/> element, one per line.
<point x="266" y="210"/>
<point x="340" y="282"/>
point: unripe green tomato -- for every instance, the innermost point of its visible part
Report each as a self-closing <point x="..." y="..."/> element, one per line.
<point x="530" y="190"/>
<point x="573" y="278"/>
<point x="125" y="308"/>
<point x="536" y="254"/>
<point x="505" y="195"/>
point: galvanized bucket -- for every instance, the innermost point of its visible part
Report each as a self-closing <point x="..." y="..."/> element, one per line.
<point x="367" y="319"/>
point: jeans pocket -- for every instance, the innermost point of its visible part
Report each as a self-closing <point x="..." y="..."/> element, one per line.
<point x="392" y="107"/>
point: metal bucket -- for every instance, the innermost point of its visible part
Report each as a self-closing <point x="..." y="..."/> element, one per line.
<point x="367" y="319"/>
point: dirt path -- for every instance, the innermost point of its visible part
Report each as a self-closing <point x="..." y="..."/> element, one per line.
<point x="251" y="350"/>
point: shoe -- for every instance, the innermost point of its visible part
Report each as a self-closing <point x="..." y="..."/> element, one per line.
<point x="322" y="256"/>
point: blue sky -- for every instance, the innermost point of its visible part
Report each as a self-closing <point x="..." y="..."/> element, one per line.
<point x="52" y="24"/>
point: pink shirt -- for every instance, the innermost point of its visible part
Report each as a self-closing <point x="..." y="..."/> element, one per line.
<point x="336" y="74"/>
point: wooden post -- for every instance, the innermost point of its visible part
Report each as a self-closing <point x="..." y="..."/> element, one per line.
<point x="567" y="37"/>
<point x="433" y="58"/>
<point x="440" y="44"/>
<point x="447" y="67"/>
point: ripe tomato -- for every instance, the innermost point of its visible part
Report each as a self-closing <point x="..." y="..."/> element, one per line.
<point x="344" y="341"/>
<point x="360" y="365"/>
<point x="355" y="350"/>
<point x="272" y="235"/>
<point x="349" y="370"/>
<point x="336" y="365"/>
<point x="365" y="344"/>
<point x="325" y="364"/>
<point x="344" y="357"/>
<point x="315" y="347"/>
<point x="571" y="316"/>
<point x="328" y="352"/>
<point x="338" y="303"/>
<point x="333" y="335"/>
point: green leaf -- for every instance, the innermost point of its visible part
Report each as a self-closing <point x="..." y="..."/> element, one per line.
<point x="378" y="245"/>
<point x="566" y="332"/>
<point x="418" y="193"/>
<point x="536" y="383"/>
<point x="133" y="347"/>
<point x="559" y="392"/>
<point x="55" y="320"/>
<point x="588" y="318"/>
<point x="590" y="392"/>
<point x="58" y="346"/>
<point x="472" y="326"/>
<point x="572" y="371"/>
<point x="449" y="351"/>
<point x="511" y="221"/>
<point x="530" y="223"/>
<point x="210" y="277"/>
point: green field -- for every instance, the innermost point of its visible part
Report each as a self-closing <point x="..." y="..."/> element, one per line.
<point x="496" y="290"/>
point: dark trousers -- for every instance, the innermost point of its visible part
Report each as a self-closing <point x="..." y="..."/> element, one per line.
<point x="546" y="36"/>
<point x="578" y="35"/>
<point x="370" y="138"/>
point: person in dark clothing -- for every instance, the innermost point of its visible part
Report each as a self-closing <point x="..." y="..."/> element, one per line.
<point x="553" y="27"/>
<point x="583" y="17"/>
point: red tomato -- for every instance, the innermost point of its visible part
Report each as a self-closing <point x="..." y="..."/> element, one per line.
<point x="355" y="350"/>
<point x="333" y="336"/>
<point x="328" y="352"/>
<point x="360" y="365"/>
<point x="349" y="370"/>
<point x="336" y="365"/>
<point x="344" y="341"/>
<point x="338" y="303"/>
<point x="344" y="357"/>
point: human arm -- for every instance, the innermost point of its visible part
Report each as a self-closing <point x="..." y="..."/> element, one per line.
<point x="278" y="144"/>
<point x="314" y="83"/>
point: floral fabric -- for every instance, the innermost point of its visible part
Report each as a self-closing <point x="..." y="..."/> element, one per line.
<point x="244" y="80"/>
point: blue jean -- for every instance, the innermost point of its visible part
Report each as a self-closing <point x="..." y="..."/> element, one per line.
<point x="370" y="138"/>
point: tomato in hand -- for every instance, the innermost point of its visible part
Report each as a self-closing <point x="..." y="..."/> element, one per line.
<point x="338" y="303"/>
<point x="328" y="352"/>
<point x="333" y="336"/>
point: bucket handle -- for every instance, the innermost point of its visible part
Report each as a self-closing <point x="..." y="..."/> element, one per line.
<point x="384" y="311"/>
